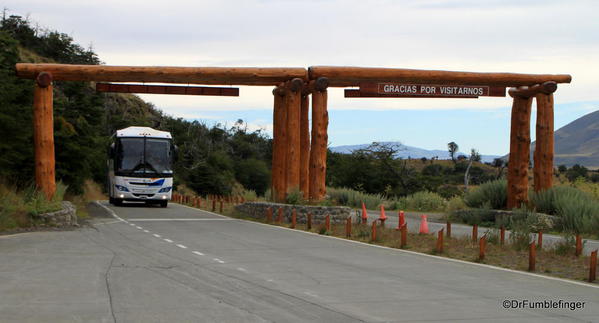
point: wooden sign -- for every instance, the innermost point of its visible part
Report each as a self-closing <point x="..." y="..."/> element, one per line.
<point x="374" y="90"/>
<point x="167" y="89"/>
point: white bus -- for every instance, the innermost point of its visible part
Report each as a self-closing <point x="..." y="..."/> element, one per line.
<point x="140" y="166"/>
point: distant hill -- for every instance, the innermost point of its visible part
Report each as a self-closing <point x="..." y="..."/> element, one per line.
<point x="408" y="151"/>
<point x="578" y="142"/>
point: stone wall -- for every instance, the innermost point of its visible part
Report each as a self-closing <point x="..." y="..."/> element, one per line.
<point x="257" y="210"/>
<point x="62" y="218"/>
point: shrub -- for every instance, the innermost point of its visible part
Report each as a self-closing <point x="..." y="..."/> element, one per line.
<point x="448" y="191"/>
<point x="17" y="207"/>
<point x="454" y="204"/>
<point x="577" y="211"/>
<point x="295" y="197"/>
<point x="353" y="198"/>
<point x="421" y="201"/>
<point x="493" y="194"/>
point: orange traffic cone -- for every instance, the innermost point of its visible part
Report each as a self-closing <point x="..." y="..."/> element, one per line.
<point x="423" y="225"/>
<point x="364" y="214"/>
<point x="382" y="217"/>
<point x="402" y="220"/>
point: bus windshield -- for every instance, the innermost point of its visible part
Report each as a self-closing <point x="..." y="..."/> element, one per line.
<point x="144" y="156"/>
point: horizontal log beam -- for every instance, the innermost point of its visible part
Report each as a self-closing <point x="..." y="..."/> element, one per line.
<point x="163" y="74"/>
<point x="352" y="76"/>
<point x="528" y="92"/>
<point x="167" y="89"/>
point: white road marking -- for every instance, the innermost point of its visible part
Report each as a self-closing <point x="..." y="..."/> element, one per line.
<point x="198" y="253"/>
<point x="387" y="248"/>
<point x="131" y="224"/>
<point x="218" y="260"/>
<point x="139" y="227"/>
<point x="181" y="246"/>
<point x="242" y="269"/>
<point x="157" y="235"/>
<point x="193" y="208"/>
<point x="146" y="231"/>
<point x="178" y="219"/>
<point x="168" y="240"/>
<point x="270" y="280"/>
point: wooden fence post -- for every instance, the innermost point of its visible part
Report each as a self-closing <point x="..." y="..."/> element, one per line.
<point x="309" y="221"/>
<point x="327" y="222"/>
<point x="482" y="247"/>
<point x="532" y="256"/>
<point x="502" y="235"/>
<point x="293" y="218"/>
<point x="43" y="134"/>
<point x="280" y="215"/>
<point x="578" y="251"/>
<point x="373" y="231"/>
<point x="348" y="227"/>
<point x="440" y="241"/>
<point x="474" y="233"/>
<point x="540" y="240"/>
<point x="269" y="215"/>
<point x="448" y="229"/>
<point x="404" y="236"/>
<point x="593" y="266"/>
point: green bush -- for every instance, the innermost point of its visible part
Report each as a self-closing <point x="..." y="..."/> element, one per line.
<point x="577" y="211"/>
<point x="421" y="201"/>
<point x="492" y="194"/>
<point x="454" y="204"/>
<point x="17" y="207"/>
<point x="353" y="198"/>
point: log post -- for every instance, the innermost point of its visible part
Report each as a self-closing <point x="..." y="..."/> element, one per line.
<point x="293" y="105"/>
<point x="43" y="134"/>
<point x="318" y="151"/>
<point x="279" y="143"/>
<point x="543" y="155"/>
<point x="517" y="179"/>
<point x="305" y="146"/>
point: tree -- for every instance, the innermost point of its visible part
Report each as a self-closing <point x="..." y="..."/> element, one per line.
<point x="452" y="147"/>
<point x="500" y="164"/>
<point x="474" y="156"/>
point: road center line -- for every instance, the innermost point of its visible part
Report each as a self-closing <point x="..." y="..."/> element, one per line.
<point x="168" y="240"/>
<point x="198" y="253"/>
<point x="218" y="260"/>
<point x="242" y="269"/>
<point x="146" y="231"/>
<point x="157" y="235"/>
<point x="181" y="246"/>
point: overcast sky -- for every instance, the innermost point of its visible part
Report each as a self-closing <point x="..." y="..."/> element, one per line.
<point x="477" y="35"/>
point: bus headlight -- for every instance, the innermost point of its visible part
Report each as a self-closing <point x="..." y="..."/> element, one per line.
<point x="121" y="188"/>
<point x="165" y="189"/>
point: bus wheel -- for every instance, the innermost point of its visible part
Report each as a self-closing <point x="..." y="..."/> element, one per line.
<point x="111" y="200"/>
<point x="163" y="203"/>
<point x="118" y="202"/>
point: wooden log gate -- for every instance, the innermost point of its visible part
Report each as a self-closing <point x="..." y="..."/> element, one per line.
<point x="299" y="153"/>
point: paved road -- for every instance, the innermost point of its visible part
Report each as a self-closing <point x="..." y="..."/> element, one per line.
<point x="436" y="223"/>
<point x="184" y="265"/>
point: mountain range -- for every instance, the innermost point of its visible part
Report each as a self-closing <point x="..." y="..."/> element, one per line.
<point x="575" y="143"/>
<point x="408" y="151"/>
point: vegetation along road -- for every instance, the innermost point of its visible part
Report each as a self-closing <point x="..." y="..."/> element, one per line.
<point x="139" y="264"/>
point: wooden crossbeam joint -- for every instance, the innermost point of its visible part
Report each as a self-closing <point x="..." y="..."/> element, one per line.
<point x="530" y="91"/>
<point x="44" y="79"/>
